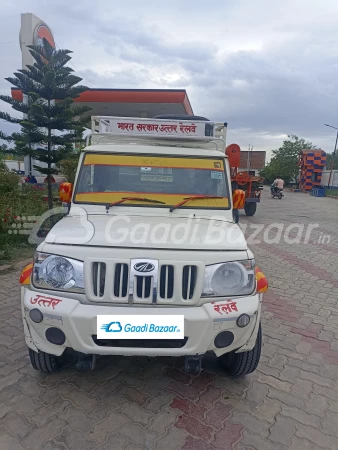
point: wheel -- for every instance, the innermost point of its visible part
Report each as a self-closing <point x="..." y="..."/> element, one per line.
<point x="44" y="362"/>
<point x="240" y="364"/>
<point x="235" y="214"/>
<point x="250" y="208"/>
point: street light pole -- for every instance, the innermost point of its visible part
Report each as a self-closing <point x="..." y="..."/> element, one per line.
<point x="333" y="154"/>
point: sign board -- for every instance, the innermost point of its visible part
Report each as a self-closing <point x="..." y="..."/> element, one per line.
<point x="43" y="31"/>
<point x="153" y="127"/>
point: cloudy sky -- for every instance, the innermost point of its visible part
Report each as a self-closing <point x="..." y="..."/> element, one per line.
<point x="267" y="68"/>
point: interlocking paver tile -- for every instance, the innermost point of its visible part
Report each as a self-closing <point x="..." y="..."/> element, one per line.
<point x="290" y="403"/>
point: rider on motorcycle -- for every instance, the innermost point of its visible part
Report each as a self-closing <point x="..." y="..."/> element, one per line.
<point x="278" y="184"/>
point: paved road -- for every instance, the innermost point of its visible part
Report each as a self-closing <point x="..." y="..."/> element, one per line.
<point x="290" y="402"/>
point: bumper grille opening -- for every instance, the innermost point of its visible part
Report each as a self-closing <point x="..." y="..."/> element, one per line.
<point x="121" y="280"/>
<point x="189" y="276"/>
<point x="167" y="282"/>
<point x="143" y="286"/>
<point x="99" y="278"/>
<point x="140" y="343"/>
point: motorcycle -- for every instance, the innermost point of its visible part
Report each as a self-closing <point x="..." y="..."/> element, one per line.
<point x="276" y="192"/>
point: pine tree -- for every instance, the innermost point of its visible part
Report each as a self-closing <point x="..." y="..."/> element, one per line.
<point x="51" y="124"/>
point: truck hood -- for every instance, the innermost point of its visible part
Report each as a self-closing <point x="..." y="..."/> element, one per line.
<point x="148" y="232"/>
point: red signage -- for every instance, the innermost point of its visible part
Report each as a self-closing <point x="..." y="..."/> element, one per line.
<point x="228" y="307"/>
<point x="42" y="31"/>
<point x="156" y="128"/>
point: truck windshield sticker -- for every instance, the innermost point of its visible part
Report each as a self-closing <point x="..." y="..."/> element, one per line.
<point x="107" y="178"/>
<point x="216" y="175"/>
<point x="160" y="178"/>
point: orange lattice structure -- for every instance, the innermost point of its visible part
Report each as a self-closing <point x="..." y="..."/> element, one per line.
<point x="312" y="163"/>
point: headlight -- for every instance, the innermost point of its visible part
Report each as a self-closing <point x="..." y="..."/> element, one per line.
<point x="229" y="279"/>
<point x="57" y="272"/>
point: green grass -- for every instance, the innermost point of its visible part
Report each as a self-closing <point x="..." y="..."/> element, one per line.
<point x="16" y="206"/>
<point x="332" y="192"/>
<point x="19" y="250"/>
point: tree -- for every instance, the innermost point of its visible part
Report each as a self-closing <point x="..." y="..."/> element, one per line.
<point x="284" y="162"/>
<point x="329" y="158"/>
<point x="9" y="153"/>
<point x="68" y="166"/>
<point x="51" y="124"/>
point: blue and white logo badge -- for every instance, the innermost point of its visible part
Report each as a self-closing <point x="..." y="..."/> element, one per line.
<point x="142" y="327"/>
<point x="112" y="327"/>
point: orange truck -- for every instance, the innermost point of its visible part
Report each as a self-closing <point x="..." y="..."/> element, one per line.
<point x="251" y="185"/>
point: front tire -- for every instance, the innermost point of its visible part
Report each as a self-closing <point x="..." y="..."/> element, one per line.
<point x="250" y="208"/>
<point x="240" y="364"/>
<point x="44" y="362"/>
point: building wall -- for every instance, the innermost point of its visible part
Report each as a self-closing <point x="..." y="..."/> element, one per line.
<point x="18" y="166"/>
<point x="257" y="160"/>
<point x="334" y="178"/>
<point x="244" y="169"/>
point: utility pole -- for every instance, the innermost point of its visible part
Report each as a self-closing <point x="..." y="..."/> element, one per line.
<point x="333" y="155"/>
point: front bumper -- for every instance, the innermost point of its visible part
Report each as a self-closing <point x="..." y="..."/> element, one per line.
<point x="79" y="324"/>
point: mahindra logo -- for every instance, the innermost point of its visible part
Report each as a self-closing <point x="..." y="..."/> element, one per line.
<point x="144" y="267"/>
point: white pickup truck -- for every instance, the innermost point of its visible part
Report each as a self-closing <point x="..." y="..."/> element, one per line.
<point x="148" y="260"/>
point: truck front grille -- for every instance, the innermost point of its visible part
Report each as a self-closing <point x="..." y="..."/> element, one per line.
<point x="189" y="276"/>
<point x="166" y="282"/>
<point x="143" y="287"/>
<point x="121" y="277"/>
<point x="111" y="281"/>
<point x="99" y="278"/>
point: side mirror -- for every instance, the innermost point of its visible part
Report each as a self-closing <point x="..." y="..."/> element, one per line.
<point x="66" y="192"/>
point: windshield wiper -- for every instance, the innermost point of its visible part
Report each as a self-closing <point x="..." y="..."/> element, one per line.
<point x="141" y="199"/>
<point x="188" y="199"/>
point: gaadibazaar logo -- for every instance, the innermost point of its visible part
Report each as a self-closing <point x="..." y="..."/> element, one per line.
<point x="141" y="327"/>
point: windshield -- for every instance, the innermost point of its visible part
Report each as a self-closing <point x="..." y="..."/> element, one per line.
<point x="106" y="179"/>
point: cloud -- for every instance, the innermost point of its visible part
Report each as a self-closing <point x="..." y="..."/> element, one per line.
<point x="268" y="69"/>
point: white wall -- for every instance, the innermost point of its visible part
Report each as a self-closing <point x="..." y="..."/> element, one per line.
<point x="14" y="165"/>
<point x="245" y="170"/>
<point x="326" y="176"/>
